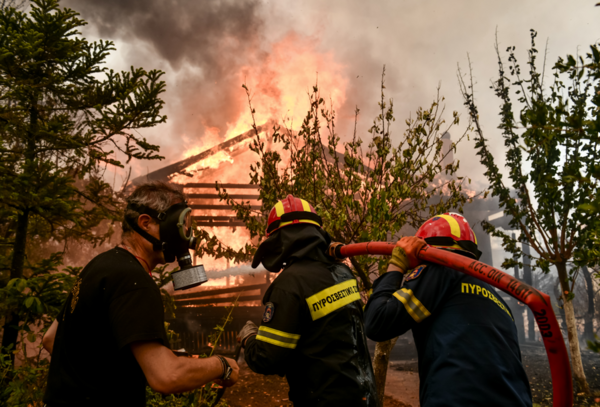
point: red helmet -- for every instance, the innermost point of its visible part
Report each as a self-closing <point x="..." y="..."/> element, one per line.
<point x="290" y="211"/>
<point x="451" y="231"/>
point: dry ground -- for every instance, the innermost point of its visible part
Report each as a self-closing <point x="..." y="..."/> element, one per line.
<point x="402" y="387"/>
<point x="269" y="391"/>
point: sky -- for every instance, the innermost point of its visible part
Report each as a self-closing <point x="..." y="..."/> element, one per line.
<point x="208" y="48"/>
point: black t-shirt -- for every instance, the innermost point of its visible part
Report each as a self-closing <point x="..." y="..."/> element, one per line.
<point x="115" y="302"/>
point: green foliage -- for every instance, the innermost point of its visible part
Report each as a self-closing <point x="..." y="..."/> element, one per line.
<point x="555" y="133"/>
<point x="63" y="117"/>
<point x="594" y="345"/>
<point x="37" y="301"/>
<point x="204" y="396"/>
<point x="361" y="192"/>
<point x="26" y="388"/>
<point x="552" y="156"/>
<point x="190" y="399"/>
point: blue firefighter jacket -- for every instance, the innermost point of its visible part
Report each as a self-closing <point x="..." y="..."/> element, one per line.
<point x="464" y="332"/>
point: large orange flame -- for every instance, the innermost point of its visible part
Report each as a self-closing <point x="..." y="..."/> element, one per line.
<point x="281" y="85"/>
<point x="279" y="89"/>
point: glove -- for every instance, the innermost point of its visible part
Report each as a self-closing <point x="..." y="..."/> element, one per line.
<point x="399" y="259"/>
<point x="405" y="254"/>
<point x="248" y="330"/>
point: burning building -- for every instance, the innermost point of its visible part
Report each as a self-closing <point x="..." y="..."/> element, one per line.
<point x="200" y="309"/>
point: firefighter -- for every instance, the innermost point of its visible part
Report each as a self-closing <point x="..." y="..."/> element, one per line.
<point x="464" y="332"/>
<point x="312" y="328"/>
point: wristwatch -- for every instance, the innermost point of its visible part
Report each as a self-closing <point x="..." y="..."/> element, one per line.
<point x="227" y="370"/>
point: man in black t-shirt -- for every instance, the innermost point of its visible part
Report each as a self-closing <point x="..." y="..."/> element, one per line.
<point x="109" y="340"/>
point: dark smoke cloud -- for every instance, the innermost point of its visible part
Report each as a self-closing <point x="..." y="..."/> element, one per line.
<point x="198" y="32"/>
<point x="205" y="44"/>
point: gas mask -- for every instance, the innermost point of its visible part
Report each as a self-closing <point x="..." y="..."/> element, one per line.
<point x="176" y="240"/>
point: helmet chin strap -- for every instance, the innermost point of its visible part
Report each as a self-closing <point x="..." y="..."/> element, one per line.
<point x="157" y="245"/>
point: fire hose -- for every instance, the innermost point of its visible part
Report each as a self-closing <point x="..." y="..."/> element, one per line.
<point x="538" y="302"/>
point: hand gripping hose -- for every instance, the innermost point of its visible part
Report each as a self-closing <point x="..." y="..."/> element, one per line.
<point x="538" y="302"/>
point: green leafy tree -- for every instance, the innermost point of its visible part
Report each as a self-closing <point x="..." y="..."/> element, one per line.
<point x="36" y="301"/>
<point x="63" y="117"/>
<point x="552" y="158"/>
<point x="362" y="194"/>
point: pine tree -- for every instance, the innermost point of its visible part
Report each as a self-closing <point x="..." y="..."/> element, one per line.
<point x="62" y="118"/>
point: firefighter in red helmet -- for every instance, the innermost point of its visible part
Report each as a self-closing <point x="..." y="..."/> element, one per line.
<point x="464" y="332"/>
<point x="312" y="328"/>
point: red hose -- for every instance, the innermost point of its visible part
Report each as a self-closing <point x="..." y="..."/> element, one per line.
<point x="537" y="301"/>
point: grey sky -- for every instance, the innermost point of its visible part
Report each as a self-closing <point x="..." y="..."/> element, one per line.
<point x="203" y="45"/>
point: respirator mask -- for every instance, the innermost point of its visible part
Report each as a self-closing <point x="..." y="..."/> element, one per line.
<point x="176" y="240"/>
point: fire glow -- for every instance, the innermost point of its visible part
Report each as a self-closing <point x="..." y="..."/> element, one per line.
<point x="279" y="89"/>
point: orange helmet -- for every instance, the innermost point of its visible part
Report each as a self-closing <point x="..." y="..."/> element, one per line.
<point x="450" y="231"/>
<point x="290" y="211"/>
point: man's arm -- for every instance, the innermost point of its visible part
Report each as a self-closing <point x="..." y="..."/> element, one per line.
<point x="385" y="316"/>
<point x="49" y="336"/>
<point x="391" y="311"/>
<point x="167" y="373"/>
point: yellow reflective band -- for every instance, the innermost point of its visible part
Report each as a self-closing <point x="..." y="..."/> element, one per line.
<point x="305" y="206"/>
<point x="454" y="226"/>
<point x="330" y="299"/>
<point x="454" y="246"/>
<point x="474" y="236"/>
<point x="279" y="209"/>
<point x="282" y="224"/>
<point x="277" y="337"/>
<point x="413" y="306"/>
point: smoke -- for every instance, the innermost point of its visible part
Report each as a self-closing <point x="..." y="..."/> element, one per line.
<point x="209" y="48"/>
<point x="202" y="46"/>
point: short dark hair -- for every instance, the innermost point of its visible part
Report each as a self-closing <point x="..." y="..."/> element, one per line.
<point x="156" y="195"/>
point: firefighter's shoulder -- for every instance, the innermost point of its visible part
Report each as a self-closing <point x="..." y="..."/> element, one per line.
<point x="415" y="273"/>
<point x="431" y="270"/>
<point x="291" y="280"/>
<point x="303" y="275"/>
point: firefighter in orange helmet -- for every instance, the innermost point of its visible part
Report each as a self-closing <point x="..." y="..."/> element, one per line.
<point x="312" y="328"/>
<point x="464" y="332"/>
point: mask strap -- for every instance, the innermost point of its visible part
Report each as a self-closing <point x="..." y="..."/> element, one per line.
<point x="157" y="245"/>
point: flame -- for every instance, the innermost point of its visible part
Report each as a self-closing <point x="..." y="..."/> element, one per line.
<point x="236" y="239"/>
<point x="280" y="87"/>
<point x="279" y="90"/>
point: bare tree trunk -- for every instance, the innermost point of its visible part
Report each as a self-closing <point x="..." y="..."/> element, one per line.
<point x="588" y="332"/>
<point x="576" y="363"/>
<point x="528" y="278"/>
<point x="381" y="360"/>
<point x="11" y="324"/>
<point x="561" y="311"/>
